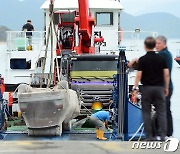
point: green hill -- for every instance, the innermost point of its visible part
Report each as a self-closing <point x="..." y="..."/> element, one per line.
<point x="163" y="23"/>
<point x="3" y="30"/>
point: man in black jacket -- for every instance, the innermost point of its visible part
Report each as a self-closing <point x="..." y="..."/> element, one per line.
<point x="153" y="73"/>
<point x="28" y="27"/>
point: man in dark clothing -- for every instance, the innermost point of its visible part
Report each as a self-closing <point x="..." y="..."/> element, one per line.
<point x="161" y="48"/>
<point x="154" y="75"/>
<point x="28" y="27"/>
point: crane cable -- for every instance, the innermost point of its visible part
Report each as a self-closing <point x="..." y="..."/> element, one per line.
<point x="50" y="34"/>
<point x="45" y="57"/>
<point x="51" y="6"/>
<point x="56" y="37"/>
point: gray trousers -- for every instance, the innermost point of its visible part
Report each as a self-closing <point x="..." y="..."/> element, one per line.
<point x="29" y="40"/>
<point x="154" y="95"/>
<point x="98" y="123"/>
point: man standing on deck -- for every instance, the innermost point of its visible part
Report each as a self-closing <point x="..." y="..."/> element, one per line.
<point x="162" y="49"/>
<point x="154" y="75"/>
<point x="28" y="27"/>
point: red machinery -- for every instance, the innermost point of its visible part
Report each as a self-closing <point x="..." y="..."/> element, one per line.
<point x="76" y="30"/>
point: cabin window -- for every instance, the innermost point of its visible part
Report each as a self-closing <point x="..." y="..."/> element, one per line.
<point x="68" y="17"/>
<point x="20" y="63"/>
<point x="94" y="65"/>
<point x="104" y="18"/>
<point x="56" y="18"/>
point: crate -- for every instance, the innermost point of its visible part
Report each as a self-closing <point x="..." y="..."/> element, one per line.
<point x="21" y="43"/>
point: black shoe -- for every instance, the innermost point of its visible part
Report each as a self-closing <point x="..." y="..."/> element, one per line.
<point x="152" y="139"/>
<point x="148" y="139"/>
<point x="163" y="138"/>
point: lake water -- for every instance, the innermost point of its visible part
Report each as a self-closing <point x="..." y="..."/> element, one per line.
<point x="174" y="46"/>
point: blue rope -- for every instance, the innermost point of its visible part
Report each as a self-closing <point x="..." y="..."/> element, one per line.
<point x="114" y="135"/>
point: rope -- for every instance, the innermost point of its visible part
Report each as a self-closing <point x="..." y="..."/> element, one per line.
<point x="45" y="57"/>
<point x="115" y="99"/>
<point x="51" y="61"/>
<point x="5" y="105"/>
<point x="86" y="108"/>
<point x="57" y="40"/>
<point x="141" y="134"/>
<point x="137" y="132"/>
<point x="50" y="32"/>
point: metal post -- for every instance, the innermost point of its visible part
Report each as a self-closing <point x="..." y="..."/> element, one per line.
<point x="120" y="98"/>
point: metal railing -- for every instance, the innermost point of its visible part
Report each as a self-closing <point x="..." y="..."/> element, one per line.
<point x="19" y="41"/>
<point x="133" y="40"/>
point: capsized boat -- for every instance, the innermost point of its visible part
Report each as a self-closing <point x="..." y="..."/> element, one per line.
<point x="46" y="111"/>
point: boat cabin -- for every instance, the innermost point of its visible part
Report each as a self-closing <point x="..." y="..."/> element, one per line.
<point x="105" y="12"/>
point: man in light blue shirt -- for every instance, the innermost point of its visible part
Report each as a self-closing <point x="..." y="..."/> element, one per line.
<point x="98" y="119"/>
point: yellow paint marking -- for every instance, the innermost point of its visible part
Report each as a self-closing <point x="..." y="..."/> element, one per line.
<point x="115" y="146"/>
<point x="89" y="74"/>
<point x="24" y="143"/>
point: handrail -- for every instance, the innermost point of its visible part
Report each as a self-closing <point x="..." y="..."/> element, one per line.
<point x="18" y="40"/>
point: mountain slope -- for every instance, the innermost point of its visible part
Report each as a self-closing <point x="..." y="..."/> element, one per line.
<point x="163" y="23"/>
<point x="15" y="13"/>
<point x="3" y="30"/>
